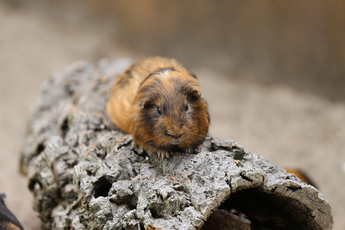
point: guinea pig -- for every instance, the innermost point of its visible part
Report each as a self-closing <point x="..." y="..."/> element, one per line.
<point x="159" y="102"/>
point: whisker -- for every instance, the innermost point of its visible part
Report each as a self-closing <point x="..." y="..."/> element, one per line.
<point x="196" y="134"/>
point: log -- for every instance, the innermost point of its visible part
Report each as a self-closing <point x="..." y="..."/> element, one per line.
<point x="85" y="173"/>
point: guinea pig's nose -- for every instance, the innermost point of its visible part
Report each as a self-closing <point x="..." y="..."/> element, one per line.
<point x="175" y="136"/>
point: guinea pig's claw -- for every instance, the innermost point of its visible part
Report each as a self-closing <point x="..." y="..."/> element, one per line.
<point x="160" y="154"/>
<point x="163" y="154"/>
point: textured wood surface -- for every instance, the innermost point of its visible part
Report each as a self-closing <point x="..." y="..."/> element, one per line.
<point x="86" y="174"/>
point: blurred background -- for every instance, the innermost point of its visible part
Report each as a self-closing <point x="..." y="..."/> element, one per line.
<point x="273" y="73"/>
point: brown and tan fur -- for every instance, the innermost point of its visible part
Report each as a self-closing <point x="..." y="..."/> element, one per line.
<point x="159" y="102"/>
<point x="301" y="175"/>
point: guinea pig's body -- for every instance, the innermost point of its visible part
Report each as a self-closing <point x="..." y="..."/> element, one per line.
<point x="159" y="102"/>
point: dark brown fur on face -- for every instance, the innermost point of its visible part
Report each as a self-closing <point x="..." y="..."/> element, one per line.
<point x="159" y="102"/>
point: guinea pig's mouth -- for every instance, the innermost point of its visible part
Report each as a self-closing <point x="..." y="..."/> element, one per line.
<point x="176" y="141"/>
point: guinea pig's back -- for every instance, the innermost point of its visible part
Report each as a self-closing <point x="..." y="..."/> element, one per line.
<point x="143" y="68"/>
<point x="120" y="100"/>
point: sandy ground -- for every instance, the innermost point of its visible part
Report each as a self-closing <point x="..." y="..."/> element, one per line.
<point x="289" y="128"/>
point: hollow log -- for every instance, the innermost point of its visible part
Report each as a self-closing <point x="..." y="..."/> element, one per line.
<point x="85" y="173"/>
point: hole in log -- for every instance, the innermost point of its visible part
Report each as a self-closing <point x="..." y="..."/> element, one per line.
<point x="155" y="213"/>
<point x="33" y="182"/>
<point x="254" y="209"/>
<point x="40" y="148"/>
<point x="64" y="127"/>
<point x="102" y="187"/>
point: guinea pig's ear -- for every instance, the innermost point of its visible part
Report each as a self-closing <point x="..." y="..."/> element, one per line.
<point x="146" y="104"/>
<point x="194" y="94"/>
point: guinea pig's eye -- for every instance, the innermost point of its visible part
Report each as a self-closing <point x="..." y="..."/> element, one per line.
<point x="186" y="108"/>
<point x="159" y="111"/>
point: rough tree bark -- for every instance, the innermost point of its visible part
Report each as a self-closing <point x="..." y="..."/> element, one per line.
<point x="86" y="174"/>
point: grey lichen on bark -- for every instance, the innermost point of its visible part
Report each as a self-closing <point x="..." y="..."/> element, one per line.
<point x="84" y="173"/>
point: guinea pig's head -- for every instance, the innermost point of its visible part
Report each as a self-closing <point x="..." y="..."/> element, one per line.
<point x="169" y="113"/>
